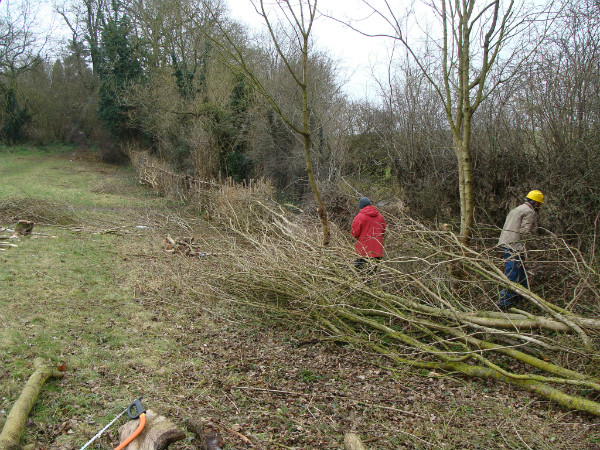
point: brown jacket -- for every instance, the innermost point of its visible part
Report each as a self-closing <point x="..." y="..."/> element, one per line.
<point x="521" y="223"/>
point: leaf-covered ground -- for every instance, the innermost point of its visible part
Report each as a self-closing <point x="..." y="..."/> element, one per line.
<point x="99" y="292"/>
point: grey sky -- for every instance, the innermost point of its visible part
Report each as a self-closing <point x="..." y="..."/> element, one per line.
<point x="358" y="55"/>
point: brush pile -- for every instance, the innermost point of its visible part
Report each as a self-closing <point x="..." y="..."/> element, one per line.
<point x="431" y="304"/>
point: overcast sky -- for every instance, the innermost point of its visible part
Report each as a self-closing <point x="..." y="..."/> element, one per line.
<point x="358" y="55"/>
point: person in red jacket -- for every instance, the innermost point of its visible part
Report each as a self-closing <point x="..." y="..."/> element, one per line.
<point x="368" y="228"/>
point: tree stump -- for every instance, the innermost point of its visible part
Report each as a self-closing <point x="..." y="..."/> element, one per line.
<point x="24" y="227"/>
<point x="158" y="433"/>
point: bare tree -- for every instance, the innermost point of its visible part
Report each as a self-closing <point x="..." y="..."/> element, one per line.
<point x="20" y="44"/>
<point x="289" y="25"/>
<point x="170" y="28"/>
<point x="472" y="47"/>
<point x="560" y="95"/>
<point x="85" y="19"/>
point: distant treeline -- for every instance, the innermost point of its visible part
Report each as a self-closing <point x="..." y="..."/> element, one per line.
<point x="151" y="78"/>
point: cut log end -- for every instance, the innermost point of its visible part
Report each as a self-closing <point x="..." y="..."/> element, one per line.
<point x="158" y="433"/>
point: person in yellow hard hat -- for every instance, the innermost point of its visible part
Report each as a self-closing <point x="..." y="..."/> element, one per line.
<point x="521" y="223"/>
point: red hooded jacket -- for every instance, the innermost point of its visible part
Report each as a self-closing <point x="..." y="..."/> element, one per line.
<point x="368" y="227"/>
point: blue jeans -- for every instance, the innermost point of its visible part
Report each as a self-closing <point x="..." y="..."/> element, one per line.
<point x="515" y="272"/>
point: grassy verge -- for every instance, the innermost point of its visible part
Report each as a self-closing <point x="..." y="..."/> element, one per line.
<point x="65" y="290"/>
<point x="96" y="290"/>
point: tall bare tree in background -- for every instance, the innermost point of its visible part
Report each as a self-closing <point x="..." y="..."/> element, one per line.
<point x="301" y="17"/>
<point x="472" y="48"/>
<point x="21" y="44"/>
<point x="19" y="41"/>
<point x="289" y="25"/>
<point x="85" y="19"/>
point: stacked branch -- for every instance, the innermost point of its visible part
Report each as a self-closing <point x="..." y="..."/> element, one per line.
<point x="416" y="311"/>
<point x="184" y="245"/>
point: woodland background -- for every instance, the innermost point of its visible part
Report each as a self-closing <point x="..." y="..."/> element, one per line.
<point x="148" y="76"/>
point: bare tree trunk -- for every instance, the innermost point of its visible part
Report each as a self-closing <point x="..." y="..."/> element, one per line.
<point x="322" y="212"/>
<point x="465" y="188"/>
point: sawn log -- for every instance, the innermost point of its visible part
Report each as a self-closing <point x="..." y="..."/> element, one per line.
<point x="158" y="433"/>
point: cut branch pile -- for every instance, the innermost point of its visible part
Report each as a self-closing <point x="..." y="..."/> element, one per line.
<point x="414" y="312"/>
<point x="4" y="240"/>
<point x="184" y="245"/>
<point x="5" y="245"/>
<point x="21" y="229"/>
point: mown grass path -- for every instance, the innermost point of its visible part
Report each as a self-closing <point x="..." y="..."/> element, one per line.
<point x="95" y="289"/>
<point x="66" y="291"/>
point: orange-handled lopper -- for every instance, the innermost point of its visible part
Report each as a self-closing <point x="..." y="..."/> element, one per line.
<point x="141" y="413"/>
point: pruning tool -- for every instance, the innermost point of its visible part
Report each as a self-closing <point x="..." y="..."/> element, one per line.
<point x="134" y="410"/>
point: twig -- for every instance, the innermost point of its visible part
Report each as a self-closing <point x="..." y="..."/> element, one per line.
<point x="275" y="391"/>
<point x="232" y="402"/>
<point x="351" y="187"/>
<point x="244" y="439"/>
<point x="371" y="405"/>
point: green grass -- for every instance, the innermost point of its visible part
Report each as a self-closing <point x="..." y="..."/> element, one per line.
<point x="62" y="175"/>
<point x="67" y="295"/>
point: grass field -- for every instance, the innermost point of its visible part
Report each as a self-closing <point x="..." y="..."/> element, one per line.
<point x="95" y="289"/>
<point x="66" y="293"/>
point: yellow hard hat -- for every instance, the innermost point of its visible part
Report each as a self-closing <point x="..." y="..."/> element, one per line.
<point x="536" y="196"/>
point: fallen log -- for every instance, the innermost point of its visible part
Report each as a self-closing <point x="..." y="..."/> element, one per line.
<point x="158" y="433"/>
<point x="15" y="422"/>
